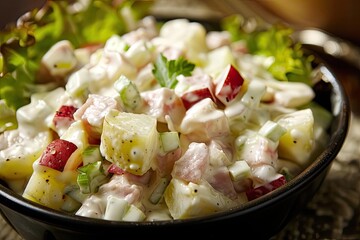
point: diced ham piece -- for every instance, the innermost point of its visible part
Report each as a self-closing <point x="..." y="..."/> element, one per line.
<point x="204" y="122"/>
<point x="219" y="178"/>
<point x="118" y="186"/>
<point x="165" y="163"/>
<point x="217" y="173"/>
<point x="192" y="165"/>
<point x="139" y="179"/>
<point x="132" y="178"/>
<point x="260" y="150"/>
<point x="164" y="102"/>
<point x="93" y="112"/>
<point x="243" y="185"/>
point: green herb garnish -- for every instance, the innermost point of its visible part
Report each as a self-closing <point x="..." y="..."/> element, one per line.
<point x="166" y="71"/>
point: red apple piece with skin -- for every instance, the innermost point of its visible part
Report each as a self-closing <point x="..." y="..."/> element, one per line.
<point x="57" y="154"/>
<point x="197" y="89"/>
<point x="254" y="193"/>
<point x="195" y="95"/>
<point x="228" y="84"/>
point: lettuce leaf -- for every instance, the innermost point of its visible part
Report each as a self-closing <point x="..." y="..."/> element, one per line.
<point x="290" y="63"/>
<point x="23" y="45"/>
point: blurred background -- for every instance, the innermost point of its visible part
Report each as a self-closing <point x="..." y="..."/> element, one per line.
<point x="10" y="10"/>
<point x="341" y="18"/>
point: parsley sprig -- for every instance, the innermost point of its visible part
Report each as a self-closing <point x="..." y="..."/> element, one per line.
<point x="166" y="71"/>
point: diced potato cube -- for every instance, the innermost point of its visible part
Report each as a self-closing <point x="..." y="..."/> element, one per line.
<point x="298" y="141"/>
<point x="46" y="186"/>
<point x="130" y="141"/>
<point x="186" y="200"/>
<point x="16" y="161"/>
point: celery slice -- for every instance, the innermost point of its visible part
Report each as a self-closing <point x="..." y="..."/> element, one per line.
<point x="90" y="177"/>
<point x="129" y="94"/>
<point x="116" y="208"/>
<point x="159" y="191"/>
<point x="239" y="170"/>
<point x="91" y="154"/>
<point x="169" y="141"/>
<point x="134" y="214"/>
<point x="272" y="131"/>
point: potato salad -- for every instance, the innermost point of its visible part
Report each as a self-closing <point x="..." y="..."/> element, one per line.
<point x="166" y="121"/>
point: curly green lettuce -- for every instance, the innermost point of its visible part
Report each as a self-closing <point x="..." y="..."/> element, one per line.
<point x="290" y="63"/>
<point x="23" y="45"/>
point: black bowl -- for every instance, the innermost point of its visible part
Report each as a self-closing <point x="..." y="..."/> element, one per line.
<point x="261" y="218"/>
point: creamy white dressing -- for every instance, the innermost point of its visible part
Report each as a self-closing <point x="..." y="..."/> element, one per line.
<point x="223" y="133"/>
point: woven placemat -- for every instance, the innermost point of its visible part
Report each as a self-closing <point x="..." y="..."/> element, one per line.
<point x="6" y="232"/>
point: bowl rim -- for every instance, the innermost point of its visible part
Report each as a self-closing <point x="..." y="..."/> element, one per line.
<point x="342" y="114"/>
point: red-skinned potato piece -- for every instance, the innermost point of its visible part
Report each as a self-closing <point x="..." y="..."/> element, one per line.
<point x="57" y="154"/>
<point x="228" y="84"/>
<point x="254" y="193"/>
